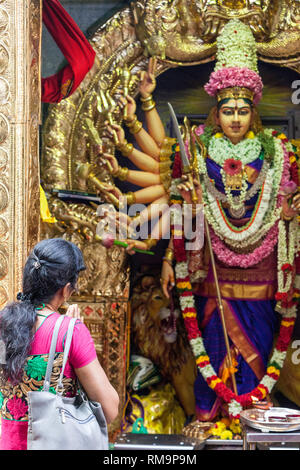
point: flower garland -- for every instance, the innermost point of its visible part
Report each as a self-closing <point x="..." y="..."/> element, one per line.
<point x="187" y="303"/>
<point x="231" y="258"/>
<point x="246" y="151"/>
<point x="228" y="231"/>
<point x="267" y="212"/>
<point x="286" y="252"/>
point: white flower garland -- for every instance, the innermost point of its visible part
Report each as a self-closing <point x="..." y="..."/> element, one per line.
<point x="227" y="52"/>
<point x="221" y="148"/>
<point x="286" y="253"/>
<point x="197" y="344"/>
<point x="268" y="213"/>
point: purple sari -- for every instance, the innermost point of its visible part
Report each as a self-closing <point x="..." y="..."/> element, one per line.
<point x="251" y="320"/>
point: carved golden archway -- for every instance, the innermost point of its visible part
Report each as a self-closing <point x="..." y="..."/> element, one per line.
<point x="178" y="32"/>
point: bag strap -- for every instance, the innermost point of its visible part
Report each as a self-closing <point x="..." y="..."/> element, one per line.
<point x="51" y="354"/>
<point x="60" y="386"/>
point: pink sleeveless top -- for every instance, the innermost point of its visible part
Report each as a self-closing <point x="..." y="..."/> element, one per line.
<point x="13" y="399"/>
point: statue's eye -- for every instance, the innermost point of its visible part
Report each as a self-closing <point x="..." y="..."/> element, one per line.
<point x="157" y="297"/>
<point x="227" y="112"/>
<point x="244" y="112"/>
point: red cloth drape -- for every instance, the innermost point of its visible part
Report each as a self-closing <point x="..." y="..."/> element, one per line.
<point x="74" y="46"/>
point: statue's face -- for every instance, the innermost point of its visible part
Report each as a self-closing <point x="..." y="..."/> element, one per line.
<point x="235" y="118"/>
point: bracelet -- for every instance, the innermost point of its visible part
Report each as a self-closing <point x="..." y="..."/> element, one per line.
<point x="130" y="198"/>
<point x="135" y="126"/>
<point x="148" y="105"/>
<point x="128" y="122"/>
<point x="144" y="100"/>
<point x="122" y="173"/>
<point x="125" y="148"/>
<point x="169" y="256"/>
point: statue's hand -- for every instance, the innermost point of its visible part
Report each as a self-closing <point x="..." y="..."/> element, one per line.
<point x="129" y="103"/>
<point x="185" y="188"/>
<point x="147" y="79"/>
<point x="111" y="193"/>
<point x="167" y="279"/>
<point x="116" y="132"/>
<point x="293" y="209"/>
<point x="135" y="244"/>
<point x="115" y="222"/>
<point x="296" y="203"/>
<point x="111" y="163"/>
<point x="74" y="312"/>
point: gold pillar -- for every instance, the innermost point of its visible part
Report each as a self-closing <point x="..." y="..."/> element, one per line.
<point x="20" y="33"/>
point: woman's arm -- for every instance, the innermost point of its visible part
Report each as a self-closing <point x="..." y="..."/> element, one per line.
<point x="98" y="388"/>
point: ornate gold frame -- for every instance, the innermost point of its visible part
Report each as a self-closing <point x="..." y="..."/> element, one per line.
<point x="20" y="36"/>
<point x="179" y="32"/>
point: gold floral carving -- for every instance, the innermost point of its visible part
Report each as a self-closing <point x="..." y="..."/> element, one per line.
<point x="183" y="31"/>
<point x="33" y="175"/>
<point x="5" y="150"/>
<point x="107" y="322"/>
<point x="19" y="107"/>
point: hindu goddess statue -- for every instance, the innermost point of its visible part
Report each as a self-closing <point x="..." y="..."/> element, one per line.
<point x="246" y="181"/>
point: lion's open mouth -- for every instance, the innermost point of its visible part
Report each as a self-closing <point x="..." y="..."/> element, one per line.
<point x="168" y="324"/>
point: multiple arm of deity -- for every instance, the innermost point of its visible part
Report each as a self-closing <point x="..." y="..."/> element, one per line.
<point x="147" y="160"/>
<point x="148" y="176"/>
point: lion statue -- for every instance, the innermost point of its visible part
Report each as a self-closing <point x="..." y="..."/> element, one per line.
<point x="159" y="335"/>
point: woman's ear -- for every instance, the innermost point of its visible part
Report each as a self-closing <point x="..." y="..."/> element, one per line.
<point x="67" y="291"/>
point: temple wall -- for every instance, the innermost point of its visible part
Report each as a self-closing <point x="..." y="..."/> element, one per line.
<point x="19" y="123"/>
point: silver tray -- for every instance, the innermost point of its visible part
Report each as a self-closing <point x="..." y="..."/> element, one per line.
<point x="268" y="420"/>
<point x="153" y="442"/>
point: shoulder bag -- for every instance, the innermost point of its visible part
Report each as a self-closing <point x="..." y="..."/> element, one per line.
<point x="56" y="422"/>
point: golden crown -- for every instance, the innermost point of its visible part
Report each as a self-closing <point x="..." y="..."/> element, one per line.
<point x="235" y="93"/>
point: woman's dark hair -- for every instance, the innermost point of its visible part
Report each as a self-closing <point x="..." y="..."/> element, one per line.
<point x="51" y="265"/>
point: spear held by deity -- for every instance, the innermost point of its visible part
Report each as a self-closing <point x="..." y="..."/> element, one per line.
<point x="188" y="171"/>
